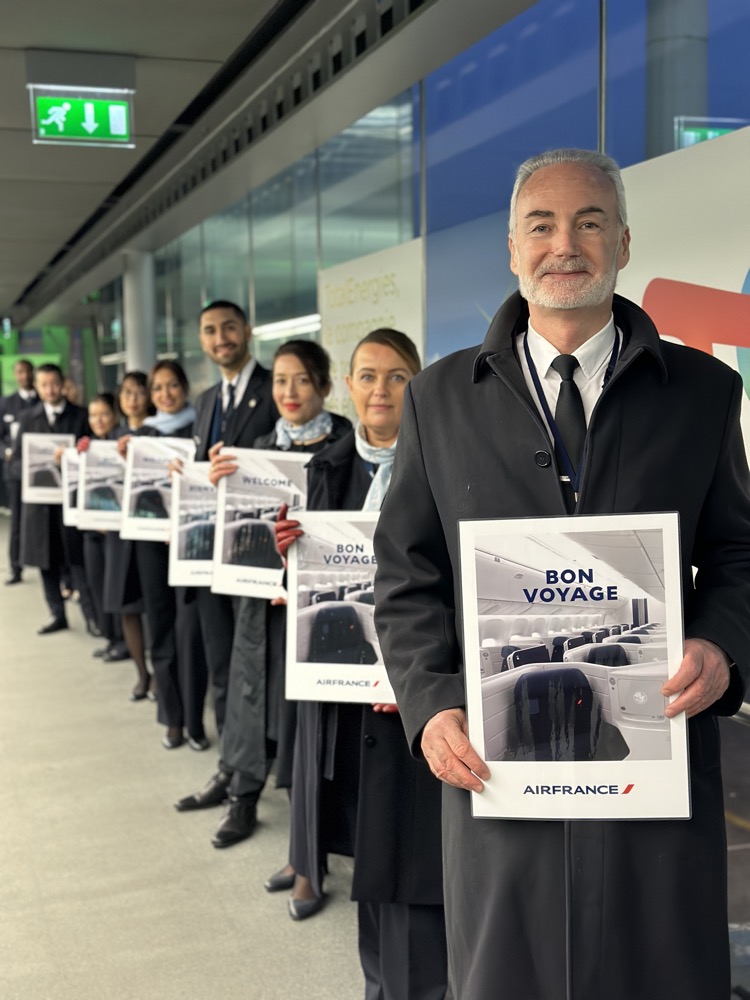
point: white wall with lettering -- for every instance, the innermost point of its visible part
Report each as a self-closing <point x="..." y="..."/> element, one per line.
<point x="381" y="289"/>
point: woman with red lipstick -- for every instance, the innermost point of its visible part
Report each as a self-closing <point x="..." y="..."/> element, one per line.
<point x="356" y="789"/>
<point x="259" y="725"/>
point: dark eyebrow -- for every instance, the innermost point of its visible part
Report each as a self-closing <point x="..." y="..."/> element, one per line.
<point x="540" y="213"/>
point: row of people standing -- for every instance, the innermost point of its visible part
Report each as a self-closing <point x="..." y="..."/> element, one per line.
<point x="354" y="787"/>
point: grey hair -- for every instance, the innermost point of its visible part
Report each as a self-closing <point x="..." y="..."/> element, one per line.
<point x="553" y="157"/>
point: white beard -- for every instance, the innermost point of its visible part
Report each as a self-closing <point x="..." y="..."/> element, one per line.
<point x="584" y="293"/>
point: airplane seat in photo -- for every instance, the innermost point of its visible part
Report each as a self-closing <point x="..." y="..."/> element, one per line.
<point x="558" y="647"/>
<point x="608" y="655"/>
<point x="337" y="635"/>
<point x="557" y="717"/>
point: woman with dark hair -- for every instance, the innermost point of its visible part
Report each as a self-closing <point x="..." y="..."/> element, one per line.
<point x="260" y="723"/>
<point x="102" y="414"/>
<point x="356" y="788"/>
<point x="134" y="405"/>
<point x="177" y="654"/>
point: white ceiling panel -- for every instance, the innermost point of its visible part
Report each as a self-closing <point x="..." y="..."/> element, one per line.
<point x="48" y="192"/>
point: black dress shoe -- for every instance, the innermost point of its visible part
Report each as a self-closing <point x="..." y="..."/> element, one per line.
<point x="301" y="909"/>
<point x="237" y="824"/>
<point x="15" y="577"/>
<point x="214" y="794"/>
<point x="172" y="742"/>
<point x="198" y="743"/>
<point x="93" y="629"/>
<point x="279" y="881"/>
<point x="115" y="654"/>
<point x="53" y="625"/>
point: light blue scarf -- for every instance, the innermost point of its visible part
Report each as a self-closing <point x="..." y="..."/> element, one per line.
<point x="169" y="423"/>
<point x="288" y="434"/>
<point x="383" y="458"/>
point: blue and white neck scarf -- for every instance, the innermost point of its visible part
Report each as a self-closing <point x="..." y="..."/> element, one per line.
<point x="288" y="434"/>
<point x="169" y="423"/>
<point x="383" y="458"/>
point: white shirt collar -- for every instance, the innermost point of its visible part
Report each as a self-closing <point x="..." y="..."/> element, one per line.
<point x="54" y="410"/>
<point x="592" y="356"/>
<point x="239" y="382"/>
<point x="27" y="394"/>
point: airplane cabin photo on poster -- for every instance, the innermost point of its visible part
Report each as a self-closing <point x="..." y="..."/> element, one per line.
<point x="332" y="650"/>
<point x="571" y="628"/>
<point x="246" y="560"/>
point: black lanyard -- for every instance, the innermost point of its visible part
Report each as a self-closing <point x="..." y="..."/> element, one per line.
<point x="574" y="478"/>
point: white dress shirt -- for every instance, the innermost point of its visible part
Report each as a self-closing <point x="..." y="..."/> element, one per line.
<point x="593" y="358"/>
<point x="239" y="382"/>
<point x="53" y="412"/>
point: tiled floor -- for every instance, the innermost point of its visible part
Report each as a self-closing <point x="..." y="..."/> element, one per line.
<point x="106" y="892"/>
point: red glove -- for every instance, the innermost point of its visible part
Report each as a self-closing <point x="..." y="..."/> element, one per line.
<point x="287" y="532"/>
<point x="83" y="444"/>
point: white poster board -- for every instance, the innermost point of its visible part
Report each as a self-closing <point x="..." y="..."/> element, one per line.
<point x="41" y="477"/>
<point x="70" y="470"/>
<point x="193" y="527"/>
<point x="148" y="488"/>
<point x="246" y="560"/>
<point x="696" y="290"/>
<point x="384" y="289"/>
<point x="333" y="652"/>
<point x="102" y="476"/>
<point x="564" y="695"/>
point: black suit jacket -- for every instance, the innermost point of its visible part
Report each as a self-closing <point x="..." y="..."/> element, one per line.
<point x="256" y="414"/>
<point x="11" y="408"/>
<point x="35" y="518"/>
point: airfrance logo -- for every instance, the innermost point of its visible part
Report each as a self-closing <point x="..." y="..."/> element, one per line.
<point x="336" y="682"/>
<point x="577" y="790"/>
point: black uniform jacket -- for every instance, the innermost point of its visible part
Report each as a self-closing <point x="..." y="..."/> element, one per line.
<point x="11" y="408"/>
<point x="35" y="537"/>
<point x="254" y="415"/>
<point x="664" y="436"/>
<point x="398" y="843"/>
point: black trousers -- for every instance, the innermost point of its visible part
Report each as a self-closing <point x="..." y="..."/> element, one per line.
<point x="94" y="561"/>
<point x="403" y="951"/>
<point x="13" y="490"/>
<point x="179" y="665"/>
<point x="217" y="613"/>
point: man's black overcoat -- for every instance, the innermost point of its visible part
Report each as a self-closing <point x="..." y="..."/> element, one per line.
<point x="648" y="915"/>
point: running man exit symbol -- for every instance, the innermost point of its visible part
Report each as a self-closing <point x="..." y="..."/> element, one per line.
<point x="90" y="120"/>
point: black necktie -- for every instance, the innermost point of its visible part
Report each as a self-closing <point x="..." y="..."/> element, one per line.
<point x="227" y="413"/>
<point x="569" y="415"/>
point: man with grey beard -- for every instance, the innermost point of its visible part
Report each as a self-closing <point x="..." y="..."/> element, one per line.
<point x="561" y="909"/>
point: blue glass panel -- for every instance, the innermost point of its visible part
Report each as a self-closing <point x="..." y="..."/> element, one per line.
<point x="530" y="85"/>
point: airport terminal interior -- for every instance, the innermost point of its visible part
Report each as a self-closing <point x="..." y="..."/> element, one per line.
<point x="331" y="167"/>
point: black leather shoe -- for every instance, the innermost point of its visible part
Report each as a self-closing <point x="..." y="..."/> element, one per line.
<point x="53" y="625"/>
<point x="93" y="629"/>
<point x="198" y="743"/>
<point x="279" y="881"/>
<point x="115" y="654"/>
<point x="15" y="577"/>
<point x="301" y="909"/>
<point x="213" y="794"/>
<point x="172" y="742"/>
<point x="237" y="824"/>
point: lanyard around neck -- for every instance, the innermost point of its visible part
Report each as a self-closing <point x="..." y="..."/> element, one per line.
<point x="573" y="477"/>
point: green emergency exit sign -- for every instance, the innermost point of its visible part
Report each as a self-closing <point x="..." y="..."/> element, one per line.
<point x="86" y="119"/>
